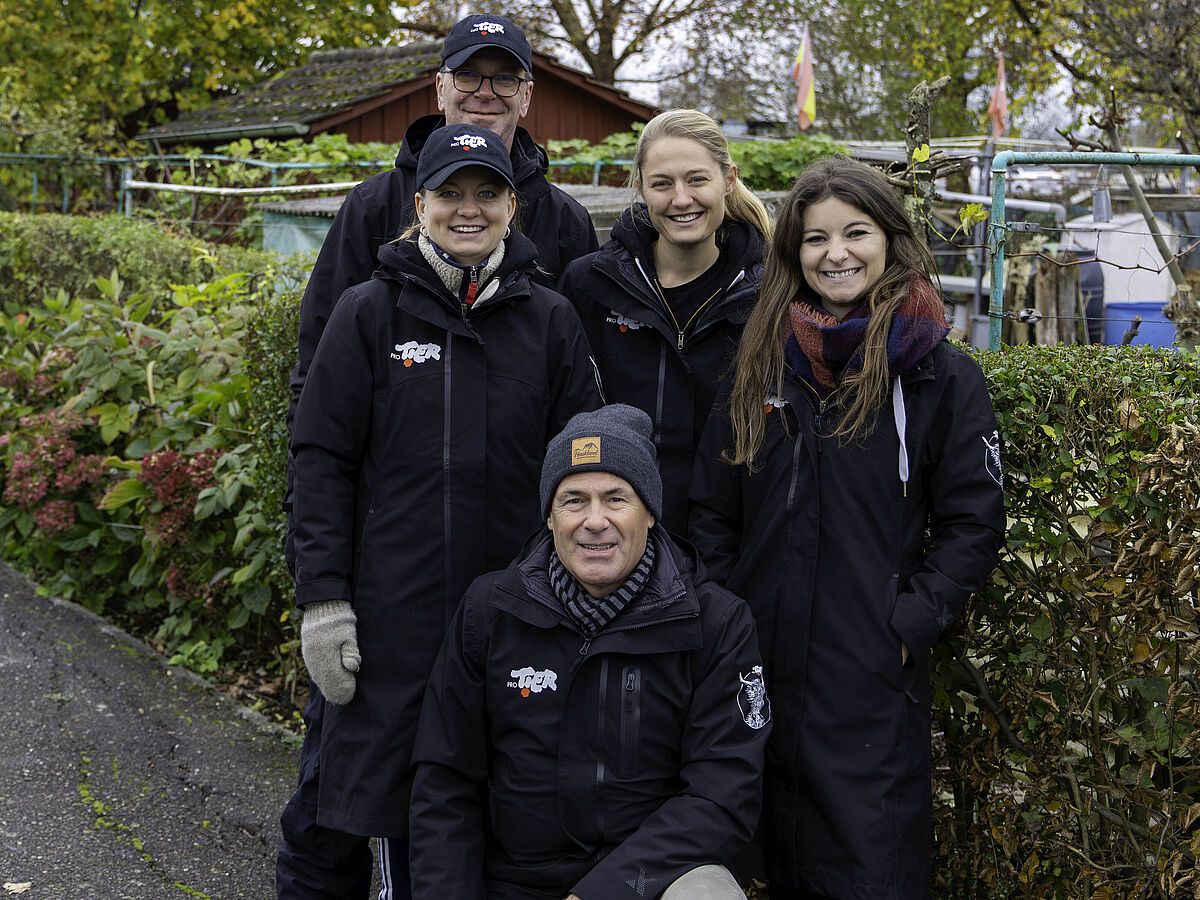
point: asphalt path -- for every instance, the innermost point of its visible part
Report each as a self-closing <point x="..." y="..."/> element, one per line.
<point x="122" y="777"/>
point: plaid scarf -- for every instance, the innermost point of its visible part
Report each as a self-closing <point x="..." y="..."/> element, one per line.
<point x="822" y="350"/>
<point x="590" y="613"/>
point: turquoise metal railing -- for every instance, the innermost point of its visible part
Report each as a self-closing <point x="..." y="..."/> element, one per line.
<point x="997" y="229"/>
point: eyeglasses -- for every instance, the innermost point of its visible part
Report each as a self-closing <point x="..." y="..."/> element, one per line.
<point x="502" y="85"/>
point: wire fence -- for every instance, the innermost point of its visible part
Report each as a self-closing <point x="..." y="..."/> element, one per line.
<point x="179" y="191"/>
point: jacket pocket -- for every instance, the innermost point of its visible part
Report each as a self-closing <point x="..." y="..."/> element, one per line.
<point x="631" y="719"/>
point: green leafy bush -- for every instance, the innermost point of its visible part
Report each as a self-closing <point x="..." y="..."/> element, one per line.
<point x="142" y="464"/>
<point x="763" y="165"/>
<point x="773" y="165"/>
<point x="1067" y="698"/>
<point x="129" y="474"/>
<point x="42" y="254"/>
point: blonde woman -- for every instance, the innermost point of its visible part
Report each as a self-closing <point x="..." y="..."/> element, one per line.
<point x="664" y="301"/>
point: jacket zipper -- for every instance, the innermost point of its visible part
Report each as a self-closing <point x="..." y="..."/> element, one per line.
<point x="656" y="291"/>
<point x="819" y="404"/>
<point x="631" y="714"/>
<point x="447" y="524"/>
<point x="600" y="731"/>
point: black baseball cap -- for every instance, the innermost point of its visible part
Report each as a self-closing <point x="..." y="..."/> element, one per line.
<point x="454" y="147"/>
<point x="479" y="31"/>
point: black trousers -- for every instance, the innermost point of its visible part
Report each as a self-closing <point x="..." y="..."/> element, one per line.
<point x="319" y="863"/>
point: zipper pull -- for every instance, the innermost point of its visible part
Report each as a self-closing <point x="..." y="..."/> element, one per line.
<point x="587" y="643"/>
<point x="679" y="345"/>
<point x="630" y="681"/>
<point x="472" y="286"/>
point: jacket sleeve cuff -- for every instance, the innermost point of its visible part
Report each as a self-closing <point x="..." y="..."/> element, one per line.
<point x="323" y="589"/>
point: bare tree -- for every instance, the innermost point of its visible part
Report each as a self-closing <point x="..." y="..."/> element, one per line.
<point x="1149" y="51"/>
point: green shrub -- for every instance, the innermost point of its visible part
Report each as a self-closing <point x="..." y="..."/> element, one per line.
<point x="41" y="254"/>
<point x="1067" y="697"/>
<point x="773" y="165"/>
<point x="129" y="465"/>
<point x="143" y="460"/>
<point x="762" y="165"/>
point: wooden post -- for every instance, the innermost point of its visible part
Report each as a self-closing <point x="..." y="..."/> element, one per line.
<point x="1071" y="330"/>
<point x="1045" y="301"/>
<point x="916" y="134"/>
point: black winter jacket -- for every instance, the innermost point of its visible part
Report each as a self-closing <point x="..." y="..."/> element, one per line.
<point x="829" y="548"/>
<point x="418" y="445"/>
<point x="377" y="210"/>
<point x="547" y="765"/>
<point x="643" y="358"/>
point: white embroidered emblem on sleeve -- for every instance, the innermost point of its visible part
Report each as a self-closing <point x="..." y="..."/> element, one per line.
<point x="752" y="699"/>
<point x="991" y="457"/>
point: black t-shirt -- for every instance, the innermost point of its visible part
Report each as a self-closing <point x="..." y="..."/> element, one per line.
<point x="685" y="300"/>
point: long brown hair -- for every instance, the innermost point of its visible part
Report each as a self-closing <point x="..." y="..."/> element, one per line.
<point x="740" y="204"/>
<point x="760" y="362"/>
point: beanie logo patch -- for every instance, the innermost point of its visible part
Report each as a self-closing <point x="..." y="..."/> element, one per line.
<point x="585" y="450"/>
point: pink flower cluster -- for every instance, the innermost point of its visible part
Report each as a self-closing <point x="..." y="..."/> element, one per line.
<point x="55" y="517"/>
<point x="176" y="482"/>
<point x="47" y="473"/>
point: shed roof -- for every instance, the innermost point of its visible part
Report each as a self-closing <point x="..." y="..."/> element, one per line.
<point x="329" y="82"/>
<point x="335" y="85"/>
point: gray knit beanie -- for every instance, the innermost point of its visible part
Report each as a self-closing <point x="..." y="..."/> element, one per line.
<point x="617" y="439"/>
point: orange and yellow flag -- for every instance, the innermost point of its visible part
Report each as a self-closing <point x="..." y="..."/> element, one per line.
<point x="806" y="90"/>
<point x="998" y="107"/>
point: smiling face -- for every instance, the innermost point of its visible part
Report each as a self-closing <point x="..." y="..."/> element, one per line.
<point x="843" y="252"/>
<point x="600" y="526"/>
<point x="685" y="190"/>
<point x="466" y="215"/>
<point x="483" y="107"/>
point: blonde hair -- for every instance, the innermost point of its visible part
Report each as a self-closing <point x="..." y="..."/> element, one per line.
<point x="761" y="365"/>
<point x="740" y="204"/>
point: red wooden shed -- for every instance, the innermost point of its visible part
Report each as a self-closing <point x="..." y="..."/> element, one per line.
<point x="372" y="94"/>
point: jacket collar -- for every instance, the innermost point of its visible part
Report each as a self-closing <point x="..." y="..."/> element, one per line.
<point x="530" y="162"/>
<point x="524" y="591"/>
<point x="628" y="258"/>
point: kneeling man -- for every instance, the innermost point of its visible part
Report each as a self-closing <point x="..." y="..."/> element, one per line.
<point x="595" y="722"/>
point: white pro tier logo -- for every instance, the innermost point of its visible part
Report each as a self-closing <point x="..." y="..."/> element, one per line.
<point x="532" y="681"/>
<point x="412" y="352"/>
<point x="469" y="141"/>
<point x="624" y="323"/>
<point x="488" y="28"/>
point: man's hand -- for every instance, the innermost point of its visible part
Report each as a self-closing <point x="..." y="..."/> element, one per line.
<point x="329" y="644"/>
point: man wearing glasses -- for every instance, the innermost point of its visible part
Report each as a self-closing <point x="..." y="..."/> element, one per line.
<point x="486" y="80"/>
<point x="479" y="51"/>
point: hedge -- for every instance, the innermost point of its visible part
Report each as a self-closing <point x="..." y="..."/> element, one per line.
<point x="143" y="451"/>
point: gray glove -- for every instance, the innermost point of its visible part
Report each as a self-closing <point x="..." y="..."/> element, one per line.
<point x="329" y="645"/>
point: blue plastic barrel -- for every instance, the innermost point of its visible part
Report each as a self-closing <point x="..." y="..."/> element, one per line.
<point x="1154" y="330"/>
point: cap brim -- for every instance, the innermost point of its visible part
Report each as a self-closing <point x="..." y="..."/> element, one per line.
<point x="455" y="60"/>
<point x="439" y="176"/>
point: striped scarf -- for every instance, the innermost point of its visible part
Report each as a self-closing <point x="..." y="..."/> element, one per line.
<point x="823" y="351"/>
<point x="590" y="613"/>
